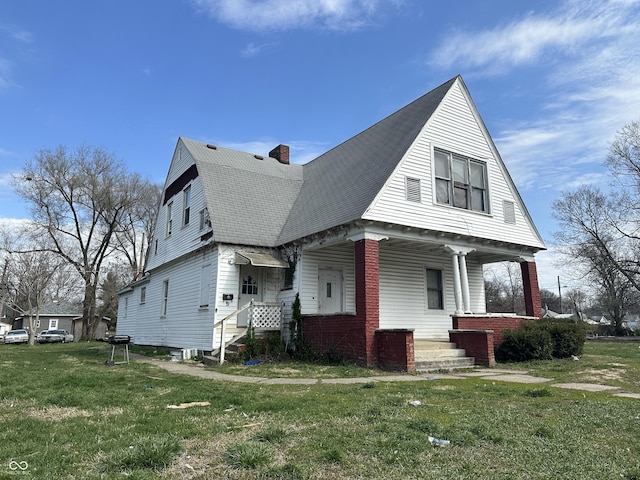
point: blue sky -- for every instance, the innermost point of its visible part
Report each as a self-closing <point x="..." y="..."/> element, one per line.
<point x="553" y="80"/>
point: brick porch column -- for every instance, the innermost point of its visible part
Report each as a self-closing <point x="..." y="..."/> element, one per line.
<point x="532" y="302"/>
<point x="367" y="270"/>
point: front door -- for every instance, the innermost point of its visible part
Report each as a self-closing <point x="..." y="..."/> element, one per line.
<point x="250" y="289"/>
<point x="329" y="291"/>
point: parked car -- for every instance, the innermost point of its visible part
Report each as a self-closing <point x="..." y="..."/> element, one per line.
<point x="39" y="335"/>
<point x="55" y="336"/>
<point x="17" y="336"/>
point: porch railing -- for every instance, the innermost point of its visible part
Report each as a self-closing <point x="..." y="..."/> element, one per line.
<point x="262" y="316"/>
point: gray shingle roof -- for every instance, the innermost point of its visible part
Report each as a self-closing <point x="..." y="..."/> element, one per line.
<point x="341" y="184"/>
<point x="248" y="199"/>
<point x="266" y="203"/>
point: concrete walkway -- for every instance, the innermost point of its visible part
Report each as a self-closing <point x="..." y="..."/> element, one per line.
<point x="490" y="374"/>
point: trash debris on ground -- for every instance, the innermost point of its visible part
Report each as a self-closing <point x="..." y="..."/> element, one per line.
<point x="188" y="404"/>
<point x="575" y="358"/>
<point x="253" y="362"/>
<point x="415" y="403"/>
<point x="438" y="442"/>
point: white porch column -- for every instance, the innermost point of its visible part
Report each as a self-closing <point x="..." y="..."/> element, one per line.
<point x="457" y="287"/>
<point x="460" y="278"/>
<point x="464" y="279"/>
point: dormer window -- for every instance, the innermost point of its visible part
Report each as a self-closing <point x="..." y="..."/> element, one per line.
<point x="461" y="181"/>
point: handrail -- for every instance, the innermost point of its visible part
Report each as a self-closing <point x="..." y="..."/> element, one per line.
<point x="223" y="329"/>
<point x="251" y="304"/>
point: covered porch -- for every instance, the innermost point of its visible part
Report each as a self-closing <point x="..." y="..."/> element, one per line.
<point x="410" y="286"/>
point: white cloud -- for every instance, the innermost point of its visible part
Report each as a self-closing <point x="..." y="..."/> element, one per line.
<point x="292" y="14"/>
<point x="253" y="49"/>
<point x="585" y="59"/>
<point x="567" y="32"/>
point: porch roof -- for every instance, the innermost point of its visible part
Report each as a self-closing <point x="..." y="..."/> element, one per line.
<point x="259" y="260"/>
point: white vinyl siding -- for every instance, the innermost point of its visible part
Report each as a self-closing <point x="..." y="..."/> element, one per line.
<point x="205" y="285"/>
<point x="403" y="291"/>
<point x="336" y="258"/>
<point x="184" y="325"/>
<point x="453" y="128"/>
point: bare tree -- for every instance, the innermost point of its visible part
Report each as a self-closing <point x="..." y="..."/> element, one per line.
<point x="602" y="230"/>
<point x="26" y="280"/>
<point x="138" y="226"/>
<point x="503" y="288"/>
<point x="79" y="201"/>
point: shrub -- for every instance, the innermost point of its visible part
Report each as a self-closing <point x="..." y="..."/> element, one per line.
<point x="541" y="340"/>
<point x="524" y="344"/>
<point x="567" y="337"/>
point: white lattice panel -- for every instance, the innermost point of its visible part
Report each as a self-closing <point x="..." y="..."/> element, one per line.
<point x="266" y="316"/>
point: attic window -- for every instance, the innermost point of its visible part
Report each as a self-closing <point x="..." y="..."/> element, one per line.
<point x="461" y="181"/>
<point x="412" y="189"/>
<point x="509" y="210"/>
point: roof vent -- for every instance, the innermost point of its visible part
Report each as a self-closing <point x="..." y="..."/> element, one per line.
<point x="280" y="153"/>
<point x="259" y="157"/>
<point x="212" y="147"/>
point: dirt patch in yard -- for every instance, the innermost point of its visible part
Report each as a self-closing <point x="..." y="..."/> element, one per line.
<point x="616" y="372"/>
<point x="57" y="413"/>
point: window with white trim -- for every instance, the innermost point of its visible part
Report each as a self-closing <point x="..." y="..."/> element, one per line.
<point x="186" y="206"/>
<point x="165" y="298"/>
<point x="143" y="295"/>
<point x="169" y="218"/>
<point x="205" y="285"/>
<point x="205" y="221"/>
<point x="435" y="290"/>
<point x="53" y="324"/>
<point x="461" y="181"/>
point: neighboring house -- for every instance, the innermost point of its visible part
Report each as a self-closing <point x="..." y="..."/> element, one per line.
<point x="53" y="316"/>
<point x="62" y="316"/>
<point x="384" y="237"/>
<point x="4" y="328"/>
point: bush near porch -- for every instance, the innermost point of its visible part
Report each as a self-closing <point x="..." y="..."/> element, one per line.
<point x="541" y="340"/>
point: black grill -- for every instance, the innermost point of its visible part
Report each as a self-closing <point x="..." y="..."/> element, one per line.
<point x="119" y="339"/>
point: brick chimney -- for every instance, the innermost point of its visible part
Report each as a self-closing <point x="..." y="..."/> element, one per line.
<point x="280" y="153"/>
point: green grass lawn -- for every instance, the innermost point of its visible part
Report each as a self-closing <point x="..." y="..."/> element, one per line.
<point x="64" y="414"/>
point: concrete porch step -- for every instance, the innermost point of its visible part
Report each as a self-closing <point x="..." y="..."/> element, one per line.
<point x="438" y="355"/>
<point x="444" y="364"/>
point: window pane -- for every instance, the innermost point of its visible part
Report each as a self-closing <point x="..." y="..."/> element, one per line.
<point x="434" y="278"/>
<point x="442" y="165"/>
<point x="434" y="299"/>
<point x="477" y="175"/>
<point x="477" y="200"/>
<point x="460" y="197"/>
<point x="434" y="289"/>
<point x="442" y="191"/>
<point x="460" y="173"/>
